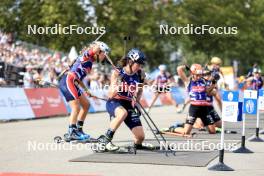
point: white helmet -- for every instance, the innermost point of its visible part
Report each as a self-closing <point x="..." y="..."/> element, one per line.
<point x="162" y="67"/>
<point x="216" y="60"/>
<point x="256" y="70"/>
<point x="103" y="47"/>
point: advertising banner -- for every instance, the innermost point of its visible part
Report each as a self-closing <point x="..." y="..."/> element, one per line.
<point x="46" y="102"/>
<point x="14" y="104"/>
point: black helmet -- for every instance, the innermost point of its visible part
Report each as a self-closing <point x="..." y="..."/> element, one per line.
<point x="136" y="56"/>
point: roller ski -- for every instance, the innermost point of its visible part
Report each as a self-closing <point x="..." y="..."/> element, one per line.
<point x="144" y="146"/>
<point x="65" y="138"/>
<point x="105" y="145"/>
<point x="219" y="130"/>
<point x="120" y="150"/>
<point x="76" y="136"/>
<point x="180" y="135"/>
<point x="171" y="132"/>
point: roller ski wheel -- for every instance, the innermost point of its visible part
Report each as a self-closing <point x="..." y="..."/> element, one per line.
<point x="120" y="150"/>
<point x="66" y="138"/>
<point x="230" y="132"/>
<point x="57" y="139"/>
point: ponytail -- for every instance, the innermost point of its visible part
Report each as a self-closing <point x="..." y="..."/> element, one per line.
<point x="122" y="62"/>
<point x="85" y="48"/>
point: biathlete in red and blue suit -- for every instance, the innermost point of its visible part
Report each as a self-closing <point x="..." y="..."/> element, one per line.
<point x="71" y="82"/>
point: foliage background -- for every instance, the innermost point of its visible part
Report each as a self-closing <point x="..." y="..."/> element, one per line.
<point x="140" y="19"/>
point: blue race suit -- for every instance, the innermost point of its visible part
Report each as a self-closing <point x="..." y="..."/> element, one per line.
<point x="80" y="68"/>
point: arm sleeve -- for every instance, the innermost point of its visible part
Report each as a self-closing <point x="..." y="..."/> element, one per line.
<point x="87" y="55"/>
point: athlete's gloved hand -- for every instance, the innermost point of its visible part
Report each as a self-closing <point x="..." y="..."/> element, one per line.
<point x="87" y="92"/>
<point x="120" y="81"/>
<point x="187" y="67"/>
<point x="214" y="81"/>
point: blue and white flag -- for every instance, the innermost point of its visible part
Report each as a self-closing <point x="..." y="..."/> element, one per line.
<point x="230" y="106"/>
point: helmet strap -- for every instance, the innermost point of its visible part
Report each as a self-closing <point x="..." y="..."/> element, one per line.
<point x="130" y="66"/>
<point x="96" y="56"/>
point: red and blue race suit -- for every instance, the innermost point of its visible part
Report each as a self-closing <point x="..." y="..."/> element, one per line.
<point x="124" y="97"/>
<point x="80" y="68"/>
<point x="199" y="103"/>
<point x="197" y="92"/>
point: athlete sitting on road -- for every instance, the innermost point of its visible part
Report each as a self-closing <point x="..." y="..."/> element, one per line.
<point x="208" y="76"/>
<point x="198" y="91"/>
<point x="201" y="110"/>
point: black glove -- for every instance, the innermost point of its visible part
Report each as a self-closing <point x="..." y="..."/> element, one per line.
<point x="214" y="81"/>
<point x="187" y="67"/>
<point x="216" y="76"/>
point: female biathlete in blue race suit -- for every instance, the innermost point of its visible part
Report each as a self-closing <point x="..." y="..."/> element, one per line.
<point x="69" y="86"/>
<point x="126" y="82"/>
<point x="198" y="90"/>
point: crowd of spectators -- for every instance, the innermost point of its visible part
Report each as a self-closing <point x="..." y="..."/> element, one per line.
<point x="46" y="65"/>
<point x="40" y="65"/>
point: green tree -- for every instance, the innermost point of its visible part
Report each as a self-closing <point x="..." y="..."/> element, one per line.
<point x="140" y="20"/>
<point x="246" y="46"/>
<point x="17" y="15"/>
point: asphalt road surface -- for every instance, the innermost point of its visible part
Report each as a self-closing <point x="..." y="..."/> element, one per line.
<point x="28" y="147"/>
